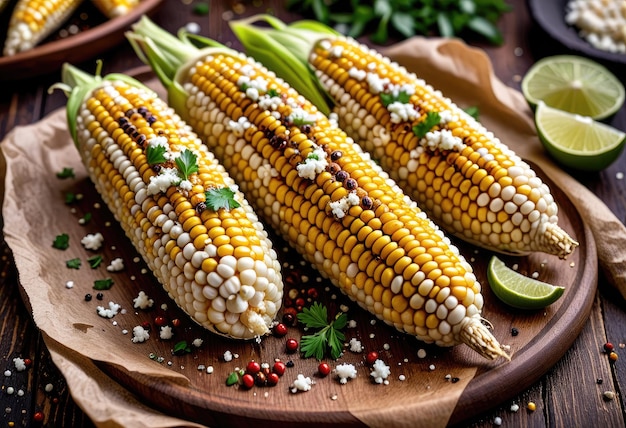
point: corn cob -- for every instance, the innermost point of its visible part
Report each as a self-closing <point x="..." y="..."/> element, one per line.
<point x="176" y="203"/>
<point x="322" y="193"/>
<point x="114" y="8"/>
<point x="465" y="178"/>
<point x="34" y="20"/>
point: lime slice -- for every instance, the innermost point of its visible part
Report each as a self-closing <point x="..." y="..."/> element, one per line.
<point x="576" y="141"/>
<point x="574" y="84"/>
<point x="520" y="291"/>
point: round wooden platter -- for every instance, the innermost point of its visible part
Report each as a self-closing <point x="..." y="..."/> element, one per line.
<point x="193" y="394"/>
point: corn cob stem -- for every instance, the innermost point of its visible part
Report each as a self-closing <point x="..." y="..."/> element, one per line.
<point x="326" y="197"/>
<point x="176" y="203"/>
<point x="467" y="180"/>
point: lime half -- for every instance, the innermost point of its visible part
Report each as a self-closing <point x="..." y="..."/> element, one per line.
<point x="520" y="291"/>
<point x="574" y="84"/>
<point x="576" y="141"/>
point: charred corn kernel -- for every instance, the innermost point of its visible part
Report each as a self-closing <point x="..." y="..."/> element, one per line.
<point x="283" y="145"/>
<point x="213" y="257"/>
<point x="114" y="8"/>
<point x="33" y="20"/>
<point x="422" y="140"/>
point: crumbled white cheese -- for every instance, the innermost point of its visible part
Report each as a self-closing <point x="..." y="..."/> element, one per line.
<point x="345" y="371"/>
<point x="116" y="265"/>
<point x="380" y="371"/>
<point x="442" y="140"/>
<point x="197" y="342"/>
<point x="142" y="301"/>
<point x="352" y="324"/>
<point x="19" y="364"/>
<point x="69" y="284"/>
<point x="166" y="332"/>
<point x="301" y="384"/>
<point x="92" y="241"/>
<point x="355" y="345"/>
<point x="140" y="334"/>
<point x="109" y="312"/>
<point x="314" y="164"/>
<point x="166" y="178"/>
<point x="7" y="373"/>
<point x="185" y="185"/>
<point x="228" y="356"/>
<point x="402" y="112"/>
<point x="239" y="126"/>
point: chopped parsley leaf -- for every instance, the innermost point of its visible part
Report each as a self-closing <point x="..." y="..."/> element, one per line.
<point x="95" y="261"/>
<point x="387" y="98"/>
<point x="70" y="198"/>
<point x="61" y="242"/>
<point x="86" y="218"/>
<point x="182" y="347"/>
<point x="273" y="92"/>
<point x="221" y="197"/>
<point x="102" y="284"/>
<point x="432" y="119"/>
<point x="73" y="263"/>
<point x="66" y="173"/>
<point x="155" y="154"/>
<point x="473" y="111"/>
<point x="187" y="163"/>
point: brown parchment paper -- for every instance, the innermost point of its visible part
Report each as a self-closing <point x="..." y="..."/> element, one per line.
<point x="462" y="73"/>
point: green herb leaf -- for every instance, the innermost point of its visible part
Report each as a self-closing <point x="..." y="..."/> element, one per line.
<point x="73" y="263"/>
<point x="187" y="163"/>
<point x="102" y="284"/>
<point x="473" y="111"/>
<point x="273" y="93"/>
<point x="232" y="379"/>
<point x="432" y="119"/>
<point x="95" y="261"/>
<point x="181" y="348"/>
<point x="66" y="173"/>
<point x="61" y="242"/>
<point x="70" y="198"/>
<point x="328" y="338"/>
<point x="221" y="197"/>
<point x="86" y="218"/>
<point x="155" y="154"/>
<point x="402" y="97"/>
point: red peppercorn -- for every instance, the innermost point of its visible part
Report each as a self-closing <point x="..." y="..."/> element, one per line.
<point x="272" y="379"/>
<point x="291" y="345"/>
<point x="38" y="416"/>
<point x="146" y="325"/>
<point x="175" y="322"/>
<point x="253" y="367"/>
<point x="28" y="362"/>
<point x="160" y="321"/>
<point x="608" y="347"/>
<point x="279" y="368"/>
<point x="371" y="357"/>
<point x="312" y="293"/>
<point x="280" y="329"/>
<point x="290" y="315"/>
<point x="323" y="369"/>
<point x="247" y="380"/>
<point x="300" y="302"/>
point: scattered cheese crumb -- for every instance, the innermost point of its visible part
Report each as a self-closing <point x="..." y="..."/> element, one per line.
<point x="197" y="342"/>
<point x="49" y="387"/>
<point x="69" y="284"/>
<point x="380" y="371"/>
<point x="142" y="301"/>
<point x="514" y="407"/>
<point x="421" y="353"/>
<point x="228" y="356"/>
<point x="19" y="363"/>
<point x="355" y="345"/>
<point x="140" y="334"/>
<point x="109" y="312"/>
<point x="116" y="265"/>
<point x="92" y="241"/>
<point x="166" y="332"/>
<point x="7" y="373"/>
<point x="345" y="371"/>
<point x="301" y="384"/>
<point x="209" y="369"/>
<point x="352" y="324"/>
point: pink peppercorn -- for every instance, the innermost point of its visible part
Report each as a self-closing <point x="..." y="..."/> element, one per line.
<point x="280" y="329"/>
<point x="291" y="345"/>
<point x="279" y="368"/>
<point x="253" y="367"/>
<point x="371" y="357"/>
<point x="247" y="380"/>
<point x="323" y="369"/>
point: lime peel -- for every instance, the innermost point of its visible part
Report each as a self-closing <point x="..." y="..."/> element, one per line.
<point x="520" y="291"/>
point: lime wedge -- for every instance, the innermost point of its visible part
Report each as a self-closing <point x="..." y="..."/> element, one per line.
<point x="574" y="84"/>
<point x="576" y="141"/>
<point x="520" y="291"/>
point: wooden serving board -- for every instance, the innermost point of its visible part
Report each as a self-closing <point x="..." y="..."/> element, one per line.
<point x="178" y="385"/>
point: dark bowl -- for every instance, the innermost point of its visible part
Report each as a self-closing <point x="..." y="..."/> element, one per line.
<point x="550" y="16"/>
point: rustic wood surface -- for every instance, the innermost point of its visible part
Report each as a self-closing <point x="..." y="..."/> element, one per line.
<point x="570" y="394"/>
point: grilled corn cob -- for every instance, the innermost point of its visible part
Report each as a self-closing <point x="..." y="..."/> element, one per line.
<point x="34" y="20"/>
<point x="465" y="178"/>
<point x="114" y="8"/>
<point x="176" y="203"/>
<point x="322" y="193"/>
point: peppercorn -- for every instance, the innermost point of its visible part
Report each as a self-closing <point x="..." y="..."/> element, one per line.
<point x="291" y="345"/>
<point x="371" y="357"/>
<point x="160" y="321"/>
<point x="99" y="296"/>
<point x="608" y="347"/>
<point x="260" y="379"/>
<point x="514" y="332"/>
<point x="323" y="369"/>
<point x="247" y="380"/>
<point x="280" y="329"/>
<point x="253" y="367"/>
<point x="531" y="406"/>
<point x="279" y="368"/>
<point x="38" y="416"/>
<point x="613" y="356"/>
<point x="272" y="379"/>
<point x="88" y="297"/>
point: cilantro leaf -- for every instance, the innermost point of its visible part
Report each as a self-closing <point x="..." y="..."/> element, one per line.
<point x="61" y="242"/>
<point x="95" y="261"/>
<point x="473" y="111"/>
<point x="66" y="173"/>
<point x="273" y="92"/>
<point x="221" y="197"/>
<point x="70" y="198"/>
<point x="155" y="154"/>
<point x="187" y="163"/>
<point x="432" y="119"/>
<point x="73" y="263"/>
<point x="328" y="338"/>
<point x="102" y="284"/>
<point x="181" y="348"/>
<point x="85" y="219"/>
<point x="387" y="98"/>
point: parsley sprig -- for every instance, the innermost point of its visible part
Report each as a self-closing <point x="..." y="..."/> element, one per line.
<point x="221" y="197"/>
<point x="329" y="337"/>
<point x="187" y="163"/>
<point x="388" y="98"/>
<point x="422" y="128"/>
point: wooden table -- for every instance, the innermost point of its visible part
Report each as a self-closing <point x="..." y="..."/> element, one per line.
<point x="570" y="394"/>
